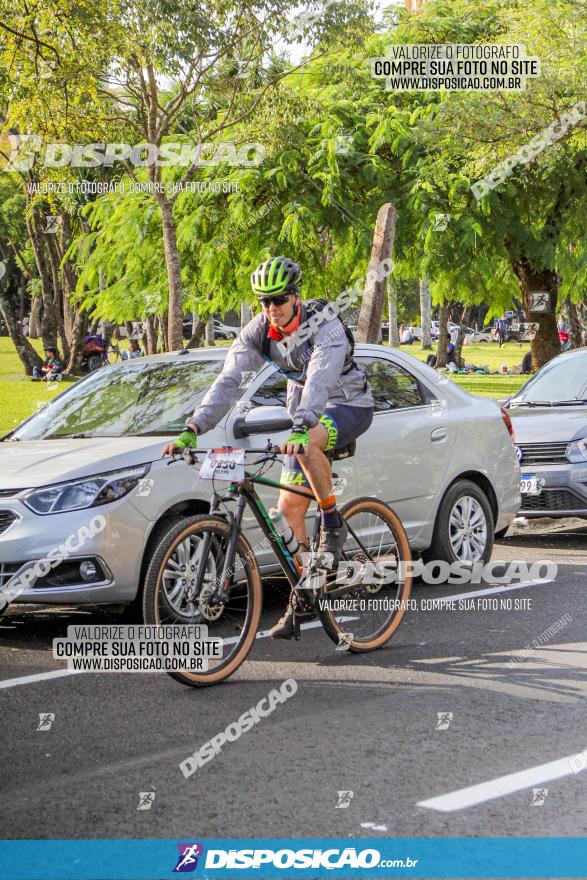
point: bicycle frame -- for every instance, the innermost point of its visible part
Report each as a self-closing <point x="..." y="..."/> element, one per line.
<point x="244" y="490"/>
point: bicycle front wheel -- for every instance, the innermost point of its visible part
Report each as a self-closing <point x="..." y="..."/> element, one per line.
<point x="364" y="606"/>
<point x="172" y="595"/>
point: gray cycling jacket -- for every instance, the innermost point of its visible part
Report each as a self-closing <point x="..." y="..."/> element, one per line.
<point x="322" y="357"/>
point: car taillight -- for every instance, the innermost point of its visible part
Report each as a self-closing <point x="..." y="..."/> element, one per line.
<point x="508" y="423"/>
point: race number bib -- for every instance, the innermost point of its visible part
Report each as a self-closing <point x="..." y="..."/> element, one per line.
<point x="224" y="464"/>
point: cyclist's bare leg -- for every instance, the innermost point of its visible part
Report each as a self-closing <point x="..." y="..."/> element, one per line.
<point x="315" y="465"/>
<point x="294" y="508"/>
<point x="318" y="472"/>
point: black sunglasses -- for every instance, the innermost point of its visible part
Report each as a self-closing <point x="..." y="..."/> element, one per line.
<point x="276" y="300"/>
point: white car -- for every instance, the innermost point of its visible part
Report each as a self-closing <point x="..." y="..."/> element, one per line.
<point x="474" y="336"/>
<point x="443" y="459"/>
<point x="225" y="331"/>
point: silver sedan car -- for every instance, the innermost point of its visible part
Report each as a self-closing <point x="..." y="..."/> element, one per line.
<point x="443" y="459"/>
<point x="549" y="415"/>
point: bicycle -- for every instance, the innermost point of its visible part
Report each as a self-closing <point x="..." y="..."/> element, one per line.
<point x="204" y="570"/>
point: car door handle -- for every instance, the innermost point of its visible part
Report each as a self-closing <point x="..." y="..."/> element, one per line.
<point x="438" y="435"/>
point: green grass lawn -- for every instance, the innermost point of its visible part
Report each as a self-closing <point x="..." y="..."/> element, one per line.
<point x="19" y="397"/>
<point x="487" y="354"/>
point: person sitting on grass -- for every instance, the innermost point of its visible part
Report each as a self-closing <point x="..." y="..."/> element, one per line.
<point x="450" y="356"/>
<point x="51" y="369"/>
<point x="134" y="351"/>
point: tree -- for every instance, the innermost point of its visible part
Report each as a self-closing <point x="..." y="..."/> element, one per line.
<point x="425" y="313"/>
<point x="369" y="329"/>
<point x="522" y="224"/>
<point x="15" y="269"/>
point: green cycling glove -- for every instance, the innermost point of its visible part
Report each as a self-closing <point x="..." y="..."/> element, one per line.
<point x="299" y="435"/>
<point x="186" y="440"/>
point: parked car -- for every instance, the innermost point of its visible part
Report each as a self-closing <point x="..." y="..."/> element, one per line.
<point x="474" y="336"/>
<point x="443" y="459"/>
<point x="549" y="415"/>
<point x="225" y="331"/>
<point x="221" y="330"/>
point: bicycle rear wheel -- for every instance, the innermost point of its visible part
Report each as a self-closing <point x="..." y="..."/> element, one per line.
<point x="171" y="594"/>
<point x="364" y="609"/>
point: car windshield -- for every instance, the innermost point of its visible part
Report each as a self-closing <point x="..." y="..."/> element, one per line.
<point x="562" y="379"/>
<point x="130" y="399"/>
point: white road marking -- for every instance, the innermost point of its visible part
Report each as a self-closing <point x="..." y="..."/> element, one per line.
<point x="495" y="788"/>
<point x="61" y="673"/>
<point x="502" y="588"/>
<point x="373" y="827"/>
<point x="41" y="676"/>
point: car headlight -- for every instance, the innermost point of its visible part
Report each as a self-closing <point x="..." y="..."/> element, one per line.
<point x="577" y="450"/>
<point x="87" y="492"/>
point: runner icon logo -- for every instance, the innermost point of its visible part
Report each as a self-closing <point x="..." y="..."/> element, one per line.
<point x="444" y="719"/>
<point x="538" y="796"/>
<point x="187" y="860"/>
<point x="146" y="799"/>
<point x="344" y="641"/>
<point x="344" y="799"/>
<point x="46" y="719"/>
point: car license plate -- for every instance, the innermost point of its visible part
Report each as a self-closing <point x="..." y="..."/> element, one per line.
<point x="224" y="464"/>
<point x="529" y="485"/>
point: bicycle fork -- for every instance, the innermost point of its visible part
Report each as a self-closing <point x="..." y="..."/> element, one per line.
<point x="220" y="595"/>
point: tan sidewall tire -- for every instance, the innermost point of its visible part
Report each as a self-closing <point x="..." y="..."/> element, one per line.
<point x="327" y="617"/>
<point x="161" y="554"/>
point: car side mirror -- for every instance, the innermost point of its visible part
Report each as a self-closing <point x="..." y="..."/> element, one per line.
<point x="263" y="420"/>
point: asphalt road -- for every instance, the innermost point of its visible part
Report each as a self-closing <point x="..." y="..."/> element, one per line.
<point x="366" y="724"/>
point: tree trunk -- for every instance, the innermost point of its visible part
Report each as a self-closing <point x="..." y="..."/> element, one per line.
<point x="35" y="323"/>
<point x="425" y="313"/>
<point x="49" y="321"/>
<point x="464" y="322"/>
<point x="369" y="329"/>
<point x="210" y="335"/>
<point x="546" y="343"/>
<point x="107" y="329"/>
<point x="197" y="334"/>
<point x="442" y="335"/>
<point x="78" y="331"/>
<point x="8" y="308"/>
<point x="392" y="308"/>
<point x="58" y="307"/>
<point x="68" y="318"/>
<point x="574" y="325"/>
<point x="175" y="308"/>
<point x="162" y="327"/>
<point x="151" y="336"/>
<point x="68" y="278"/>
<point x="245" y="314"/>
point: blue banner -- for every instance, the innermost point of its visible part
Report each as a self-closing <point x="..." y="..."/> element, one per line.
<point x="311" y="858"/>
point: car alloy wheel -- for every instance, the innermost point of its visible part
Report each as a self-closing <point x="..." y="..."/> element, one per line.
<point x="179" y="578"/>
<point x="468" y="529"/>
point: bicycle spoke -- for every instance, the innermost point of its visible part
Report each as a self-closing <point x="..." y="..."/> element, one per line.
<point x="370" y="602"/>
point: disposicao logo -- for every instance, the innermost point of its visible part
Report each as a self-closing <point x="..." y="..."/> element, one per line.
<point x="188" y="857"/>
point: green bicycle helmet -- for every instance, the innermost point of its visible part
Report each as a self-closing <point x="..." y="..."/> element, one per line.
<point x="276" y="275"/>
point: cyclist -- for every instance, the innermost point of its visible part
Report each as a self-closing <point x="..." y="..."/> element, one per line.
<point x="328" y="397"/>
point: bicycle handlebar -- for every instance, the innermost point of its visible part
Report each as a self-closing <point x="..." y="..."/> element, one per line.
<point x="190" y="455"/>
